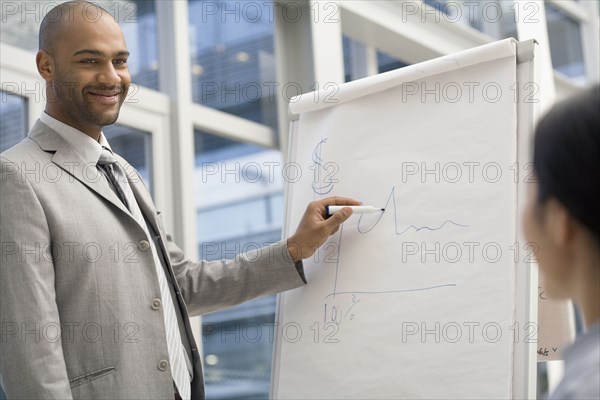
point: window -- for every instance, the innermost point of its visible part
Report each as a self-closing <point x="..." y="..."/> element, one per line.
<point x="238" y="351"/>
<point x="239" y="203"/>
<point x="564" y="34"/>
<point x="13" y="120"/>
<point x="138" y="22"/>
<point x="439" y="5"/>
<point x="233" y="58"/>
<point x="21" y="23"/>
<point x="347" y="46"/>
<point x="495" y="18"/>
<point x="385" y="62"/>
<point x="133" y="145"/>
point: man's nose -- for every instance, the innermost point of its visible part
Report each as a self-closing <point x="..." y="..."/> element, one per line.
<point x="108" y="74"/>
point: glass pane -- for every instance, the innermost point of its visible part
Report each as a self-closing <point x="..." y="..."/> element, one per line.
<point x="542" y="380"/>
<point x="13" y="120"/>
<point x="348" y="72"/>
<point x="133" y="145"/>
<point x="386" y="62"/>
<point x="233" y="58"/>
<point x="239" y="207"/>
<point x="565" y="43"/>
<point x="238" y="351"/>
<point x="495" y="18"/>
<point x="138" y="21"/>
<point x="439" y="5"/>
<point x="21" y="22"/>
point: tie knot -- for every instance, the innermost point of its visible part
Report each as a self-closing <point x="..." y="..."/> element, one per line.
<point x="106" y="157"/>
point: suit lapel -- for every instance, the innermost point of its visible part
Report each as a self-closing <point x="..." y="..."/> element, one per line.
<point x="141" y="194"/>
<point x="70" y="160"/>
<point x="144" y="201"/>
<point x="88" y="174"/>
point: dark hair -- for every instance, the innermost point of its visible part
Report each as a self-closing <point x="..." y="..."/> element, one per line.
<point x="567" y="157"/>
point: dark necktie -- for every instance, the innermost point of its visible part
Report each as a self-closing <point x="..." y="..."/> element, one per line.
<point x="113" y="172"/>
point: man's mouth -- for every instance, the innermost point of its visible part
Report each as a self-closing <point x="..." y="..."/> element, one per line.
<point x="105" y="96"/>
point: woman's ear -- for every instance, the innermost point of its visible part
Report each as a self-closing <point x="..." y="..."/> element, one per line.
<point x="45" y="65"/>
<point x="560" y="224"/>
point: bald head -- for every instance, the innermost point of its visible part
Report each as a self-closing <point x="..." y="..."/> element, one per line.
<point x="83" y="57"/>
<point x="60" y="17"/>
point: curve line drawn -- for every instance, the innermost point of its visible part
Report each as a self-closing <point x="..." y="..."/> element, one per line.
<point x="391" y="198"/>
<point x="321" y="184"/>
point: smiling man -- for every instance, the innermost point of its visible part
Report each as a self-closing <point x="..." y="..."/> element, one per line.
<point x="94" y="294"/>
<point x="84" y="62"/>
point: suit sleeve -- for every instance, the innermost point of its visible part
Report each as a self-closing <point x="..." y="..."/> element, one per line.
<point x="31" y="359"/>
<point x="208" y="286"/>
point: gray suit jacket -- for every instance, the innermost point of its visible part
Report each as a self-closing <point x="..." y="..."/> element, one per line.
<point x="78" y="285"/>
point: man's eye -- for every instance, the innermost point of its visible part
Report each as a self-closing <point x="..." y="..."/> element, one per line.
<point x="120" y="62"/>
<point x="88" y="61"/>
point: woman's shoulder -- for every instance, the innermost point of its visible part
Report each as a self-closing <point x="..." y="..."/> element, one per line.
<point x="582" y="368"/>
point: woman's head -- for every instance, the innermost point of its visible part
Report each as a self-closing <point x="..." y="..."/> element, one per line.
<point x="563" y="212"/>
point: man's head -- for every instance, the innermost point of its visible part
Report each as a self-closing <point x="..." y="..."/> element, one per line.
<point x="83" y="59"/>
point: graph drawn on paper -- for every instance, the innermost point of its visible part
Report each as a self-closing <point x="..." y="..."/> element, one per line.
<point x="399" y="230"/>
<point x="323" y="184"/>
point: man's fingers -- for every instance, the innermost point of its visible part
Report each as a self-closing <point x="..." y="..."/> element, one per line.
<point x="321" y="205"/>
<point x="338" y="201"/>
<point x="338" y="218"/>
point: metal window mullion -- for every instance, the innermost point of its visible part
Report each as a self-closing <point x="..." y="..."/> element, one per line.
<point x="176" y="81"/>
<point x="572" y="9"/>
<point x="590" y="36"/>
<point x="363" y="59"/>
<point x="231" y="126"/>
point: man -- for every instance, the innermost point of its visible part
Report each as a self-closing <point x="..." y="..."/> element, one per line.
<point x="95" y="296"/>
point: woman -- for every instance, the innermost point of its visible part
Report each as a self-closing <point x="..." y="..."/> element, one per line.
<point x="563" y="219"/>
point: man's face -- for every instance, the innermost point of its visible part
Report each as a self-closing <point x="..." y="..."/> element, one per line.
<point x="91" y="77"/>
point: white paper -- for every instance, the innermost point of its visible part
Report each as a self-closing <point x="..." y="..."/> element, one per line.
<point x="415" y="302"/>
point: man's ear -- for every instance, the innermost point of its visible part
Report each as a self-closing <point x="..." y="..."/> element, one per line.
<point x="561" y="224"/>
<point x="45" y="65"/>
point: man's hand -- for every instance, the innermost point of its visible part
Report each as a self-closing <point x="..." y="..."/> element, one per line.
<point x="315" y="226"/>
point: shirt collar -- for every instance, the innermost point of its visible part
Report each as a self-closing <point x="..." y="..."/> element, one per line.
<point x="81" y="143"/>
